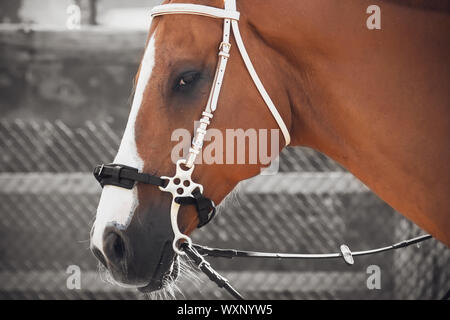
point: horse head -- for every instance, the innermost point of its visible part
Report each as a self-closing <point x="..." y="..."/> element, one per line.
<point x="132" y="235"/>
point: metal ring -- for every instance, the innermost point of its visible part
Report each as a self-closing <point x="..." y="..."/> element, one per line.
<point x="175" y="241"/>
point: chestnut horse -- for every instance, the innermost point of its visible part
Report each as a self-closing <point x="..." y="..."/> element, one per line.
<point x="376" y="101"/>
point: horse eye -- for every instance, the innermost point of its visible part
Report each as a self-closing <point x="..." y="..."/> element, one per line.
<point x="186" y="80"/>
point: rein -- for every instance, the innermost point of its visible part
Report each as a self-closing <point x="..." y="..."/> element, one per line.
<point x="198" y="252"/>
<point x="184" y="191"/>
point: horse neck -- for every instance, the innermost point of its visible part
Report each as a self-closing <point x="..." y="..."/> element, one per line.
<point x="357" y="95"/>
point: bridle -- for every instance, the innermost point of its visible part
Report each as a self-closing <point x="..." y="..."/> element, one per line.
<point x="184" y="191"/>
<point x="181" y="186"/>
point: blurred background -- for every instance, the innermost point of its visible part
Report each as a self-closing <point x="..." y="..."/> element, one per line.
<point x="66" y="75"/>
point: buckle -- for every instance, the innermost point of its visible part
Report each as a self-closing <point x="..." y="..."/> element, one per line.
<point x="225" y="44"/>
<point x="99" y="174"/>
<point x="112" y="174"/>
<point x="347" y="254"/>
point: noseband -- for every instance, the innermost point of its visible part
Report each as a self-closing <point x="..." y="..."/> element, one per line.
<point x="184" y="191"/>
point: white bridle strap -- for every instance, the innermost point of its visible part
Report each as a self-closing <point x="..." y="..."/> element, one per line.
<point x="231" y="15"/>
<point x="211" y="105"/>
<point x="196" y="9"/>
<point x="259" y="85"/>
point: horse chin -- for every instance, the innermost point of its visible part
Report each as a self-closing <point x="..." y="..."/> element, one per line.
<point x="166" y="280"/>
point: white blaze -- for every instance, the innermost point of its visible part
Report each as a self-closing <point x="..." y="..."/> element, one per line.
<point x="118" y="204"/>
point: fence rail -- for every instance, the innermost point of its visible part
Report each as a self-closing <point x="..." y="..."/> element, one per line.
<point x="83" y="183"/>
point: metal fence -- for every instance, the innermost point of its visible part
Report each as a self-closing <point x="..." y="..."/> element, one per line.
<point x="48" y="200"/>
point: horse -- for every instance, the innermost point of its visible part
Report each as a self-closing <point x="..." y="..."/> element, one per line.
<point x="374" y="100"/>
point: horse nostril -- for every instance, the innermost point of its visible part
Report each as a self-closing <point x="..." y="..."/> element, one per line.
<point x="99" y="255"/>
<point x="114" y="247"/>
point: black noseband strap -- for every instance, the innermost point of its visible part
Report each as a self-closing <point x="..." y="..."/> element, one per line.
<point x="125" y="177"/>
<point x="206" y="208"/>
